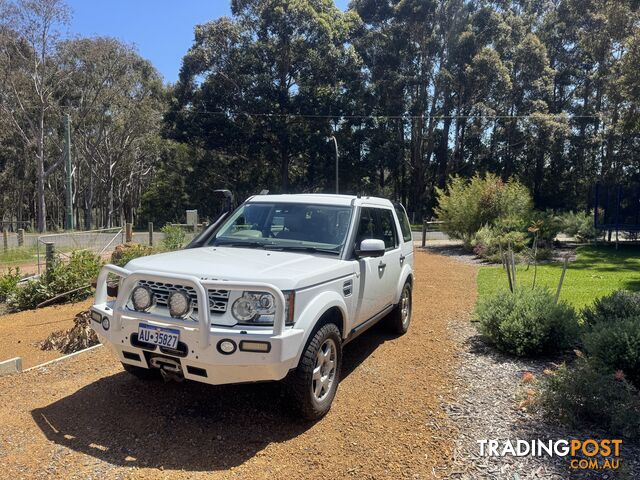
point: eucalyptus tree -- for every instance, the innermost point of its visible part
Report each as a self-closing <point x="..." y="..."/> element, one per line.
<point x="261" y="88"/>
<point x="30" y="81"/>
<point x="116" y="100"/>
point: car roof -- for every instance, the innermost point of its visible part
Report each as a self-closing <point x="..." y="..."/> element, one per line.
<point x="323" y="199"/>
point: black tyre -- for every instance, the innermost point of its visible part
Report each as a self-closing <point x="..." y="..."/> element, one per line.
<point x="314" y="382"/>
<point x="400" y="317"/>
<point x="142" y="373"/>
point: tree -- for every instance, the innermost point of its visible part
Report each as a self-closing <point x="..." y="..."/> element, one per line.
<point x="283" y="63"/>
<point x="116" y="99"/>
<point x="30" y="34"/>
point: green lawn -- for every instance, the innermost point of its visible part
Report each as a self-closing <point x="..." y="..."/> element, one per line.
<point x="597" y="271"/>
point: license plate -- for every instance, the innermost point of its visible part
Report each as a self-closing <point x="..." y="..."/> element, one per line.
<point x="165" y="337"/>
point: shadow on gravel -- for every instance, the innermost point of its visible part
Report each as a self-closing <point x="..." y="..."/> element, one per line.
<point x="185" y="426"/>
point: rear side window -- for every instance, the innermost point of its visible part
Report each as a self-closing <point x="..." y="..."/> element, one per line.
<point x="404" y="223"/>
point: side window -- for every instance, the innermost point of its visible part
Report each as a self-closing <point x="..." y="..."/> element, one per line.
<point x="404" y="223"/>
<point x="366" y="225"/>
<point x="387" y="228"/>
<point x="377" y="223"/>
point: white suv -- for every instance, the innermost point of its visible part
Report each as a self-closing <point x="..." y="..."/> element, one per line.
<point x="274" y="291"/>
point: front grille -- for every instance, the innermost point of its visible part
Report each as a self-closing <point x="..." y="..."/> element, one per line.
<point x="218" y="299"/>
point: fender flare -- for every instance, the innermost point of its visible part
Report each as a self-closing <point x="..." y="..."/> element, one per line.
<point x="309" y="317"/>
<point x="406" y="272"/>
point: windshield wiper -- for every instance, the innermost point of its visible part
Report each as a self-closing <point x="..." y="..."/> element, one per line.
<point x="302" y="248"/>
<point x="248" y="244"/>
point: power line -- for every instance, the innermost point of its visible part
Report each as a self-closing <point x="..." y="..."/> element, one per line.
<point x="398" y="117"/>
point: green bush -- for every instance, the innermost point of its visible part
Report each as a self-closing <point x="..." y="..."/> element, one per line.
<point x="9" y="283"/>
<point x="29" y="295"/>
<point x="81" y="269"/>
<point x="546" y="226"/>
<point x="174" y="237"/>
<point x="585" y="393"/>
<point x="527" y="322"/>
<point x="578" y="225"/>
<point x="616" y="346"/>
<point x="487" y="241"/>
<point x="126" y="252"/>
<point x="620" y="304"/>
<point x="465" y="206"/>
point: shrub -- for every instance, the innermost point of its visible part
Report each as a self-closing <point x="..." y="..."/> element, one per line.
<point x="586" y="393"/>
<point x="578" y="225"/>
<point x="126" y="252"/>
<point x="546" y="225"/>
<point x="487" y="241"/>
<point x="83" y="267"/>
<point x="174" y="237"/>
<point x="527" y="322"/>
<point x="620" y="304"/>
<point x="616" y="346"/>
<point x="465" y="206"/>
<point x="9" y="283"/>
<point x="29" y="295"/>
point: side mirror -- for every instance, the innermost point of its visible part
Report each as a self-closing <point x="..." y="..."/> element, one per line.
<point x="370" y="247"/>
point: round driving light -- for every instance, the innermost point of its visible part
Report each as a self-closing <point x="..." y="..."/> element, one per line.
<point x="142" y="298"/>
<point x="266" y="302"/>
<point x="179" y="304"/>
<point x="105" y="323"/>
<point x="226" y="347"/>
<point x="244" y="309"/>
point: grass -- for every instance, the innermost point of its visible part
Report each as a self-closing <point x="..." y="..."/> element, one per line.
<point x="596" y="271"/>
<point x="21" y="255"/>
<point x="15" y="256"/>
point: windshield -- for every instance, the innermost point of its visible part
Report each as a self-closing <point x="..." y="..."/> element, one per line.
<point x="286" y="226"/>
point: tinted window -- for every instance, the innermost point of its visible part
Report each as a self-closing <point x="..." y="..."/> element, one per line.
<point x="377" y="223"/>
<point x="404" y="223"/>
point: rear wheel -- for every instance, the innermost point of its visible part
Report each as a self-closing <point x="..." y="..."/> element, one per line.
<point x="400" y="318"/>
<point x="314" y="382"/>
<point x="142" y="373"/>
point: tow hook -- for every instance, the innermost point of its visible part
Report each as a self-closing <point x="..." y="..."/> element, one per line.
<point x="169" y="368"/>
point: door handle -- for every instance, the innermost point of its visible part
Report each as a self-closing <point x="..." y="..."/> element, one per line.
<point x="382" y="266"/>
<point x="402" y="257"/>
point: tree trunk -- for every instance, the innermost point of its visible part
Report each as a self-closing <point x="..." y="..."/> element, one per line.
<point x="40" y="191"/>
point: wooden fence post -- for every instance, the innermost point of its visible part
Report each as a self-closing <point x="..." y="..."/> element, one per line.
<point x="20" y="237"/>
<point x="424" y="233"/>
<point x="50" y="254"/>
<point x="5" y="239"/>
<point x="151" y="234"/>
<point x="128" y="235"/>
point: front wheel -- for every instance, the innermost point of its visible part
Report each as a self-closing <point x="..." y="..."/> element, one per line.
<point x="400" y="318"/>
<point x="314" y="382"/>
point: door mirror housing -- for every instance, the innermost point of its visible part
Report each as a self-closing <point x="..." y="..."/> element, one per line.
<point x="370" y="247"/>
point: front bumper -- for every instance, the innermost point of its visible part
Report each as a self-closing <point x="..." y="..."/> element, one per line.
<point x="200" y="357"/>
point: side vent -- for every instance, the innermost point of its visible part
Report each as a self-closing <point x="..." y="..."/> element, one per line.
<point x="347" y="288"/>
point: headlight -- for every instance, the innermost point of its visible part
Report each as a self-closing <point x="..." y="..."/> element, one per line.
<point x="142" y="298"/>
<point x="259" y="308"/>
<point x="179" y="304"/>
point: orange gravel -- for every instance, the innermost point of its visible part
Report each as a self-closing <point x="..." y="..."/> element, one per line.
<point x="20" y="333"/>
<point x="86" y="418"/>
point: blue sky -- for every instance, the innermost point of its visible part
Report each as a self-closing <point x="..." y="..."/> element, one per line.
<point x="161" y="30"/>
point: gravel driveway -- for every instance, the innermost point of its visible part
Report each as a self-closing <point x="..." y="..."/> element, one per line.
<point x="86" y="418"/>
